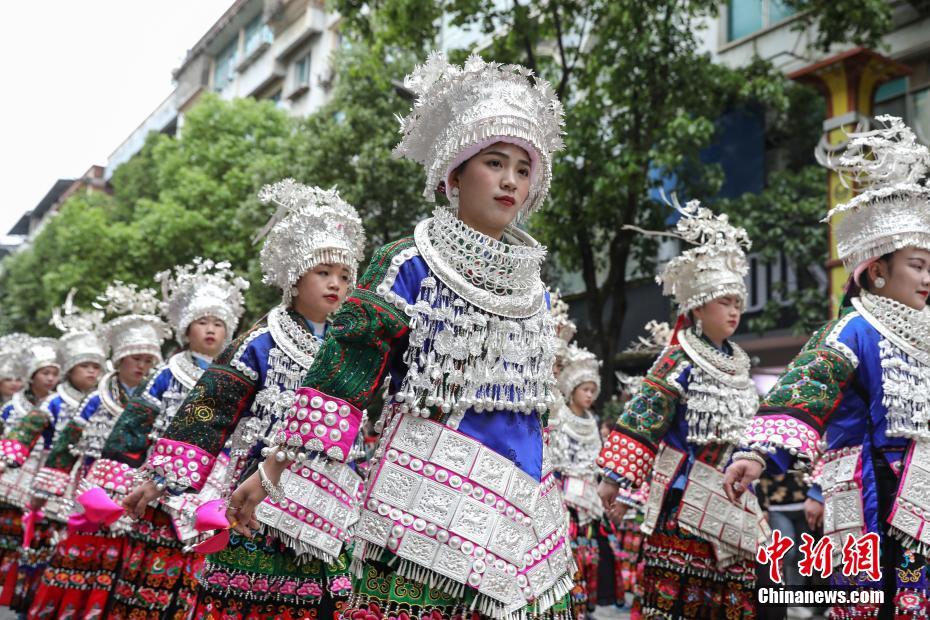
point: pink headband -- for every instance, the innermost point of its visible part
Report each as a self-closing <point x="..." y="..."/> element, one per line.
<point x="476" y="148"/>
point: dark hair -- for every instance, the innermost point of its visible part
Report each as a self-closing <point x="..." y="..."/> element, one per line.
<point x="865" y="281"/>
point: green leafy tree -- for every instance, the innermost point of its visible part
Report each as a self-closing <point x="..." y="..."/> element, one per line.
<point x="641" y="102"/>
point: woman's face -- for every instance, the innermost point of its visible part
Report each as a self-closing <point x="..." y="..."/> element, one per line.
<point x="8" y="387"/>
<point x="207" y="335"/>
<point x="84" y="376"/>
<point x="322" y="290"/>
<point x="132" y="369"/>
<point x="44" y="380"/>
<point x="907" y="277"/>
<point x="720" y="317"/>
<point x="583" y="396"/>
<point x="492" y="187"/>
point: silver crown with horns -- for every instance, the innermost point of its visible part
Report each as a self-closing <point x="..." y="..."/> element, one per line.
<point x="200" y="289"/>
<point x="312" y="226"/>
<point x="80" y="341"/>
<point x="37" y="353"/>
<point x="135" y="327"/>
<point x="892" y="211"/>
<point x="10" y="346"/>
<point x="460" y="110"/>
<point x="714" y="267"/>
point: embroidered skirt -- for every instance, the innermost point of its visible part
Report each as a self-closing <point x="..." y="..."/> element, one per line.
<point x="585" y="549"/>
<point x="260" y="578"/>
<point x="156" y="580"/>
<point x="684" y="582"/>
<point x="380" y="593"/>
<point x="78" y="580"/>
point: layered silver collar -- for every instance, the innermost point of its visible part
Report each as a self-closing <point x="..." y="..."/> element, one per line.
<point x="500" y="277"/>
<point x="721" y="397"/>
<point x="904" y="351"/>
<point x="185" y="369"/>
<point x="907" y="328"/>
<point x="297" y="342"/>
<point x="71" y="396"/>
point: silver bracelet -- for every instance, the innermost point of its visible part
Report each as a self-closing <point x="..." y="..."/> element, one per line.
<point x="275" y="492"/>
<point x="749" y="455"/>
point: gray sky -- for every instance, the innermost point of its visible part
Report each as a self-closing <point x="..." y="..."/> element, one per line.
<point x="77" y="77"/>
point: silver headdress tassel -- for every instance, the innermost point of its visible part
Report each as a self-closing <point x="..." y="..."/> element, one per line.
<point x="461" y="110"/>
<point x="893" y="210"/>
<point x="10" y="346"/>
<point x="715" y="267"/>
<point x="80" y="341"/>
<point x="312" y="226"/>
<point x="202" y="288"/>
<point x="579" y="366"/>
<point x="37" y="353"/>
<point x="565" y="328"/>
<point x="136" y="327"/>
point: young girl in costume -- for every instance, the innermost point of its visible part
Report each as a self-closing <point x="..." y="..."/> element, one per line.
<point x="461" y="515"/>
<point x="38" y="364"/>
<point x="296" y="567"/>
<point x="81" y="355"/>
<point x="80" y="576"/>
<point x="156" y="579"/>
<point x="862" y="382"/>
<point x="575" y="443"/>
<point x="682" y="427"/>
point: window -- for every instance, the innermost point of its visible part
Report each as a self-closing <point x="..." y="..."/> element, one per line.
<point x="745" y="17"/>
<point x="256" y="33"/>
<point x="225" y="66"/>
<point x="891" y="98"/>
<point x="302" y="72"/>
<point x="921" y="120"/>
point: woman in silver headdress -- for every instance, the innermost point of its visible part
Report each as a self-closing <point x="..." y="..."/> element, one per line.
<point x="682" y="427"/>
<point x="861" y="383"/>
<point x="461" y="515"/>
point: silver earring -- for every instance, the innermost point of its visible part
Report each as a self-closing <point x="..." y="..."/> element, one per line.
<point x="699" y="327"/>
<point x="880" y="282"/>
<point x="294" y="291"/>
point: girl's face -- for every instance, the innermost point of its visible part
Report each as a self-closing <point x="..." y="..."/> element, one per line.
<point x="583" y="396"/>
<point x="8" y="387"/>
<point x="720" y="317"/>
<point x="44" y="380"/>
<point x="132" y="369"/>
<point x="207" y="335"/>
<point x="492" y="187"/>
<point x="84" y="376"/>
<point x="322" y="290"/>
<point x="907" y="277"/>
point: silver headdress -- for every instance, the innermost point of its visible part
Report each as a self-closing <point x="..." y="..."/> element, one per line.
<point x="202" y="288"/>
<point x="311" y="226"/>
<point x="565" y="328"/>
<point x="893" y="211"/>
<point x="10" y="347"/>
<point x="461" y="110"/>
<point x="136" y="328"/>
<point x="659" y="336"/>
<point x="37" y="353"/>
<point x="579" y="366"/>
<point x="715" y="267"/>
<point x="81" y="341"/>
